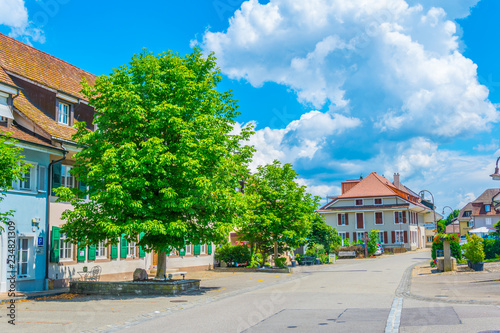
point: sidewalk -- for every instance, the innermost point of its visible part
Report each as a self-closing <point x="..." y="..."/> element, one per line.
<point x="4" y="297"/>
<point x="463" y="286"/>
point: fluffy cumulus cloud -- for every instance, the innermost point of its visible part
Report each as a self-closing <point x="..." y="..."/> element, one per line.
<point x="389" y="77"/>
<point x="15" y="15"/>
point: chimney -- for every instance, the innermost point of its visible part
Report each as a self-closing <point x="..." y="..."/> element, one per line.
<point x="396" y="180"/>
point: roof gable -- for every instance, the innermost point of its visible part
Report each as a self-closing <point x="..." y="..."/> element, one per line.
<point x="371" y="186"/>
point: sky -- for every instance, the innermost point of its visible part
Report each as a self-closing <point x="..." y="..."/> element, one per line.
<point x="337" y="88"/>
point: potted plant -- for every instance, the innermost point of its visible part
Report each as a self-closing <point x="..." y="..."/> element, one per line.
<point x="475" y="252"/>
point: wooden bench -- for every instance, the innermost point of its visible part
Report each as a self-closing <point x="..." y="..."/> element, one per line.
<point x="307" y="260"/>
<point x="172" y="274"/>
<point x="344" y="254"/>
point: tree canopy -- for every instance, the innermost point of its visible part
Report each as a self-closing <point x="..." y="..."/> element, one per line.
<point x="163" y="162"/>
<point x="324" y="234"/>
<point x="12" y="168"/>
<point x="279" y="210"/>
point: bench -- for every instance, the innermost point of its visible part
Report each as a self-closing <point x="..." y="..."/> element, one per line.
<point x="307" y="260"/>
<point x="172" y="274"/>
<point x="343" y="254"/>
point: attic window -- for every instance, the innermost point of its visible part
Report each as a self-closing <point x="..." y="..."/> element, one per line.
<point x="487" y="208"/>
<point x="63" y="113"/>
<point x="378" y="201"/>
<point x="5" y="111"/>
<point x="359" y="202"/>
<point x="467" y="213"/>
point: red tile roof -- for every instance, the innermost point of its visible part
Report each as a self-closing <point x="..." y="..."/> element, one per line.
<point x="41" y="67"/>
<point x="17" y="133"/>
<point x="371" y="186"/>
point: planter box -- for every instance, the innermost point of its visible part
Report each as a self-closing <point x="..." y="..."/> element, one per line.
<point x="477" y="266"/>
<point x="140" y="288"/>
<point x="275" y="270"/>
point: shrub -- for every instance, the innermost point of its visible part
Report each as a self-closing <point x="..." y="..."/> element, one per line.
<point x="324" y="258"/>
<point x="280" y="262"/>
<point x="474" y="251"/>
<point x="373" y="240"/>
<point x="298" y="258"/>
<point x="491" y="248"/>
<point x="233" y="254"/>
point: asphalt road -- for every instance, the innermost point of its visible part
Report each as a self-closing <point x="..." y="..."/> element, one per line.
<point x="350" y="296"/>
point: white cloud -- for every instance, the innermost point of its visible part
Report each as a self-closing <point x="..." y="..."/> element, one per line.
<point x="15" y="15"/>
<point x="389" y="61"/>
<point x="492" y="146"/>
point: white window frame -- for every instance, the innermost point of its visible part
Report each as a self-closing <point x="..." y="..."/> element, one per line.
<point x="470" y="224"/>
<point x="342" y="235"/>
<point x="131" y="249"/>
<point x="381" y="201"/>
<point x="65" y="247"/>
<point x="400" y="218"/>
<point x="362" y="233"/>
<point x="375" y="218"/>
<point x="356" y="202"/>
<point x="66" y="175"/>
<point x="17" y="185"/>
<point x="342" y="218"/>
<point x="487" y="220"/>
<point x="30" y="256"/>
<point x="203" y="249"/>
<point x="61" y="117"/>
<point x="187" y="249"/>
<point x="101" y="251"/>
<point x="381" y="237"/>
<point x="400" y="237"/>
<point x="3" y="98"/>
<point x="430" y="239"/>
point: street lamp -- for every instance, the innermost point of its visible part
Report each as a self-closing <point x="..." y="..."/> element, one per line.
<point x="451" y="215"/>
<point x="421" y="194"/>
<point x="496" y="175"/>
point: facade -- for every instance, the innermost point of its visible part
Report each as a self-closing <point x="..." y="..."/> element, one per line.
<point x="376" y="203"/>
<point x="482" y="212"/>
<point x="453" y="227"/>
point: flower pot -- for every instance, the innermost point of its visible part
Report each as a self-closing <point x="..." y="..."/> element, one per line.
<point x="478" y="266"/>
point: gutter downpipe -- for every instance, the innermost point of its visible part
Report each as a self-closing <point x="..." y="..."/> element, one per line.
<point x="47" y="224"/>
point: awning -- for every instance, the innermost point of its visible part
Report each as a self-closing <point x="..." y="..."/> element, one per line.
<point x="5" y="111"/>
<point x="485" y="230"/>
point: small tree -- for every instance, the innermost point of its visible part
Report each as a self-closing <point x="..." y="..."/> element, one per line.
<point x="323" y="234"/>
<point x="12" y="168"/>
<point x="233" y="254"/>
<point x="475" y="250"/>
<point x="279" y="211"/>
<point x="163" y="165"/>
<point x="497" y="232"/>
<point x="373" y="240"/>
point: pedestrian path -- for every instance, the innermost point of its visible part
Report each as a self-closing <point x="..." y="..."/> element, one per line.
<point x="5" y="297"/>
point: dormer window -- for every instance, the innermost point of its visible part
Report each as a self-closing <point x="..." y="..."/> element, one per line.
<point x="487" y="208"/>
<point x="467" y="213"/>
<point x="359" y="202"/>
<point x="5" y="111"/>
<point x="63" y="112"/>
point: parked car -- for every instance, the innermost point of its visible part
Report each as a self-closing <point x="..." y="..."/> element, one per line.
<point x="379" y="250"/>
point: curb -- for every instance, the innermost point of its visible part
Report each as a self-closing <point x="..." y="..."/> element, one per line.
<point x="28" y="296"/>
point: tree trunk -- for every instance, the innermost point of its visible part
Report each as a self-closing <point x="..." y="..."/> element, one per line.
<point x="275" y="252"/>
<point x="161" y="266"/>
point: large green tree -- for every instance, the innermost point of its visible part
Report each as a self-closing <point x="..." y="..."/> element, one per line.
<point x="280" y="211"/>
<point x="163" y="163"/>
<point x="324" y="234"/>
<point x="12" y="168"/>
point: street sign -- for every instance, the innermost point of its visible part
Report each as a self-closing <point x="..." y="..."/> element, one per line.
<point x="40" y="241"/>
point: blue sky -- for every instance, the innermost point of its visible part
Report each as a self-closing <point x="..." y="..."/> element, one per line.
<point x="336" y="88"/>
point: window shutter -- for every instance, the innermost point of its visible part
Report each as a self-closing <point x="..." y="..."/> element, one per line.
<point x="339" y="219"/>
<point x="396" y="217"/>
<point x="55" y="244"/>
<point x="42" y="178"/>
<point x="346" y="219"/>
<point x="81" y="253"/>
<point x="123" y="247"/>
<point x="404" y="217"/>
<point x="142" y="253"/>
<point x="82" y="187"/>
<point x="210" y="248"/>
<point x="347" y="236"/>
<point x="197" y="250"/>
<point x="385" y="237"/>
<point x="405" y="236"/>
<point x="56" y="176"/>
<point x="182" y="252"/>
<point x="114" y="251"/>
<point x="359" y="221"/>
<point x="354" y="236"/>
<point x="92" y="252"/>
<point x="393" y="237"/>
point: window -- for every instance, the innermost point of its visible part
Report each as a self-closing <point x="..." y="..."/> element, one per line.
<point x="3" y="101"/>
<point x="173" y="252"/>
<point x="65" y="249"/>
<point x="398" y="217"/>
<point x="342" y="219"/>
<point x="487" y="208"/>
<point x="67" y="180"/>
<point x="360" y="235"/>
<point x="203" y="249"/>
<point x="488" y="221"/>
<point x="29" y="180"/>
<point x="381" y="237"/>
<point x="343" y="236"/>
<point x="470" y="224"/>
<point x="399" y="237"/>
<point x="25" y="183"/>
<point x="430" y="239"/>
<point x="101" y="250"/>
<point x="23" y="256"/>
<point x="188" y="249"/>
<point x="379" y="218"/>
<point x="42" y="178"/>
<point x="467" y="213"/>
<point x="130" y="249"/>
<point x="5" y="110"/>
<point x="63" y="113"/>
<point x="378" y="201"/>
<point x="359" y="202"/>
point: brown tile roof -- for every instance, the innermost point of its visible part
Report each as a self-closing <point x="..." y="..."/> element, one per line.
<point x="5" y="78"/>
<point x="24" y="135"/>
<point x="461" y="216"/>
<point x="41" y="67"/>
<point x="372" y="185"/>
<point x="23" y="105"/>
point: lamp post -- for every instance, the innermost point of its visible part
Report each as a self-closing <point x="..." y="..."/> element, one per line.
<point x="450" y="213"/>
<point x="421" y="194"/>
<point x="496" y="175"/>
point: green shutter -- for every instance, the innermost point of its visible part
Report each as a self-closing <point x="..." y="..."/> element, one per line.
<point x="142" y="253"/>
<point x="114" y="251"/>
<point x="123" y="247"/>
<point x="210" y="248"/>
<point x="182" y="252"/>
<point x="81" y="252"/>
<point x="55" y="244"/>
<point x="56" y="176"/>
<point x="92" y="252"/>
<point x="197" y="250"/>
<point x="83" y="188"/>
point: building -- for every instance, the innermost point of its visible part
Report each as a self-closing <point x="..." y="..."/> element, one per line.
<point x="376" y="203"/>
<point x="453" y="227"/>
<point x="482" y="212"/>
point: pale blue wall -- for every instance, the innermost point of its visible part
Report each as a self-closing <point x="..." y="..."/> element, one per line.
<point x="28" y="206"/>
